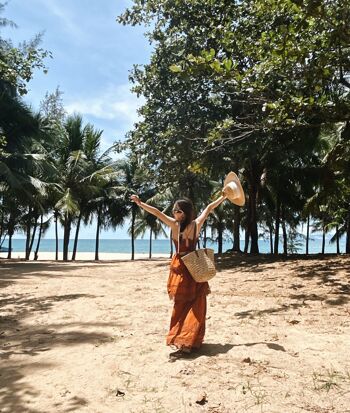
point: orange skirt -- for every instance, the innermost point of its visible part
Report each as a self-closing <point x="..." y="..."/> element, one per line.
<point x="187" y="324"/>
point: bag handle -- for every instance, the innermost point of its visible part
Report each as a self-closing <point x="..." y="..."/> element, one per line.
<point x="178" y="238"/>
<point x="194" y="239"/>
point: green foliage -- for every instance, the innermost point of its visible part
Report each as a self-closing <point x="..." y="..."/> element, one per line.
<point x="244" y="85"/>
<point x="286" y="62"/>
<point x="17" y="64"/>
<point x="259" y="87"/>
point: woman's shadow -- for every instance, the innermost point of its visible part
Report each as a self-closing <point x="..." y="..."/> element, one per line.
<point x="207" y="349"/>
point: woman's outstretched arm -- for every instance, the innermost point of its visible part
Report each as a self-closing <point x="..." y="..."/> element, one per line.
<point x="204" y="215"/>
<point x="154" y="211"/>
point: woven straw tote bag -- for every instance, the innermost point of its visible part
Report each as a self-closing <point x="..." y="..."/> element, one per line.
<point x="200" y="263"/>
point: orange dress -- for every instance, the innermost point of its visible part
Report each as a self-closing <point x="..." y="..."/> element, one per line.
<point x="187" y="324"/>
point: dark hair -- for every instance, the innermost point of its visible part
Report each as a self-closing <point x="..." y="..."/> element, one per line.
<point x="187" y="207"/>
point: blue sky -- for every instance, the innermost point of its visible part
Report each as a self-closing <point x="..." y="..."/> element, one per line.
<point x="92" y="57"/>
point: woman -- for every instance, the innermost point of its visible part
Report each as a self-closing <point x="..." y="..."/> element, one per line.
<point x="187" y="325"/>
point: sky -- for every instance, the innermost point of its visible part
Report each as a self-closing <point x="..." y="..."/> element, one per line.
<point x="92" y="56"/>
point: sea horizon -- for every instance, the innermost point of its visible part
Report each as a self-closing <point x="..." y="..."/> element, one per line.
<point x="159" y="246"/>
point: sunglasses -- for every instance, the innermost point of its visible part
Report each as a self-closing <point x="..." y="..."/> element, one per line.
<point x="177" y="211"/>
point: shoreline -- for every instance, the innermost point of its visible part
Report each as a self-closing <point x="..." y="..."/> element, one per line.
<point x="119" y="256"/>
<point x="83" y="256"/>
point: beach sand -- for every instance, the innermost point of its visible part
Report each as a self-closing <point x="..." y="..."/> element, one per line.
<point x="90" y="337"/>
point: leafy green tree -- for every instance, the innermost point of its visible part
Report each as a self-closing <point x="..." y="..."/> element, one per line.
<point x="241" y="80"/>
<point x="17" y="64"/>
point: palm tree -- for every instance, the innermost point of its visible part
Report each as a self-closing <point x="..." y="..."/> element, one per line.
<point x="110" y="210"/>
<point x="218" y="220"/>
<point x="164" y="201"/>
<point x="148" y="221"/>
<point x="93" y="163"/>
<point x="102" y="191"/>
<point x="70" y="161"/>
<point x="24" y="161"/>
<point x="135" y="181"/>
<point x="12" y="215"/>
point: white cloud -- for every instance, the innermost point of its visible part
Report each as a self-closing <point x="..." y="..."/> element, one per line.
<point x="70" y="23"/>
<point x="115" y="103"/>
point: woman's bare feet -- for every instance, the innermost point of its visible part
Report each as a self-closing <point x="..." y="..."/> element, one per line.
<point x="182" y="351"/>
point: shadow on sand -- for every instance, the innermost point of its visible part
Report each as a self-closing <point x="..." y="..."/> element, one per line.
<point x="20" y="342"/>
<point x="330" y="270"/>
<point x="212" y="349"/>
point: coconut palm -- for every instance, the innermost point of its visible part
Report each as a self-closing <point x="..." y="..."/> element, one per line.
<point x="70" y="162"/>
<point x="135" y="181"/>
<point x="146" y="221"/>
<point x="102" y="194"/>
<point x="24" y="161"/>
<point x="109" y="210"/>
<point x="164" y="201"/>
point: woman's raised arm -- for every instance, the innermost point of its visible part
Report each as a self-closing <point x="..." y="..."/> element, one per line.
<point x="154" y="211"/>
<point x="204" y="215"/>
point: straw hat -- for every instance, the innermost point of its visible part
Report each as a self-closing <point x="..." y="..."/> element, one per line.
<point x="233" y="189"/>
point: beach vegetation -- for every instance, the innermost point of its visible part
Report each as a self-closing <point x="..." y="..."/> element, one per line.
<point x="257" y="87"/>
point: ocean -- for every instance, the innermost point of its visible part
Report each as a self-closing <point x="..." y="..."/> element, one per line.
<point x="160" y="246"/>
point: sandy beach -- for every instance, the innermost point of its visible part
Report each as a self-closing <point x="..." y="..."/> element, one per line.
<point x="90" y="337"/>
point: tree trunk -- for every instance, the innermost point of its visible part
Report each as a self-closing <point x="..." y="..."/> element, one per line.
<point x="97" y="233"/>
<point x="9" y="254"/>
<point x="56" y="233"/>
<point x="285" y="238"/>
<point x="10" y="231"/>
<point x="254" y="246"/>
<point x="307" y="235"/>
<point x="247" y="229"/>
<point x="36" y="253"/>
<point x="236" y="224"/>
<point x="347" y="242"/>
<point x="133" y="216"/>
<point x="246" y="240"/>
<point x="150" y="244"/>
<point x="76" y="237"/>
<point x="284" y="231"/>
<point x="33" y="237"/>
<point x="2" y="228"/>
<point x="66" y="235"/>
<point x="271" y="239"/>
<point x="220" y="233"/>
<point x="205" y="225"/>
<point x="28" y="234"/>
<point x="277" y="225"/>
<point x="323" y="240"/>
<point x="337" y="239"/>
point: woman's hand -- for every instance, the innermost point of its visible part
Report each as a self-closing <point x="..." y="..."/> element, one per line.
<point x="223" y="193"/>
<point x="136" y="199"/>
